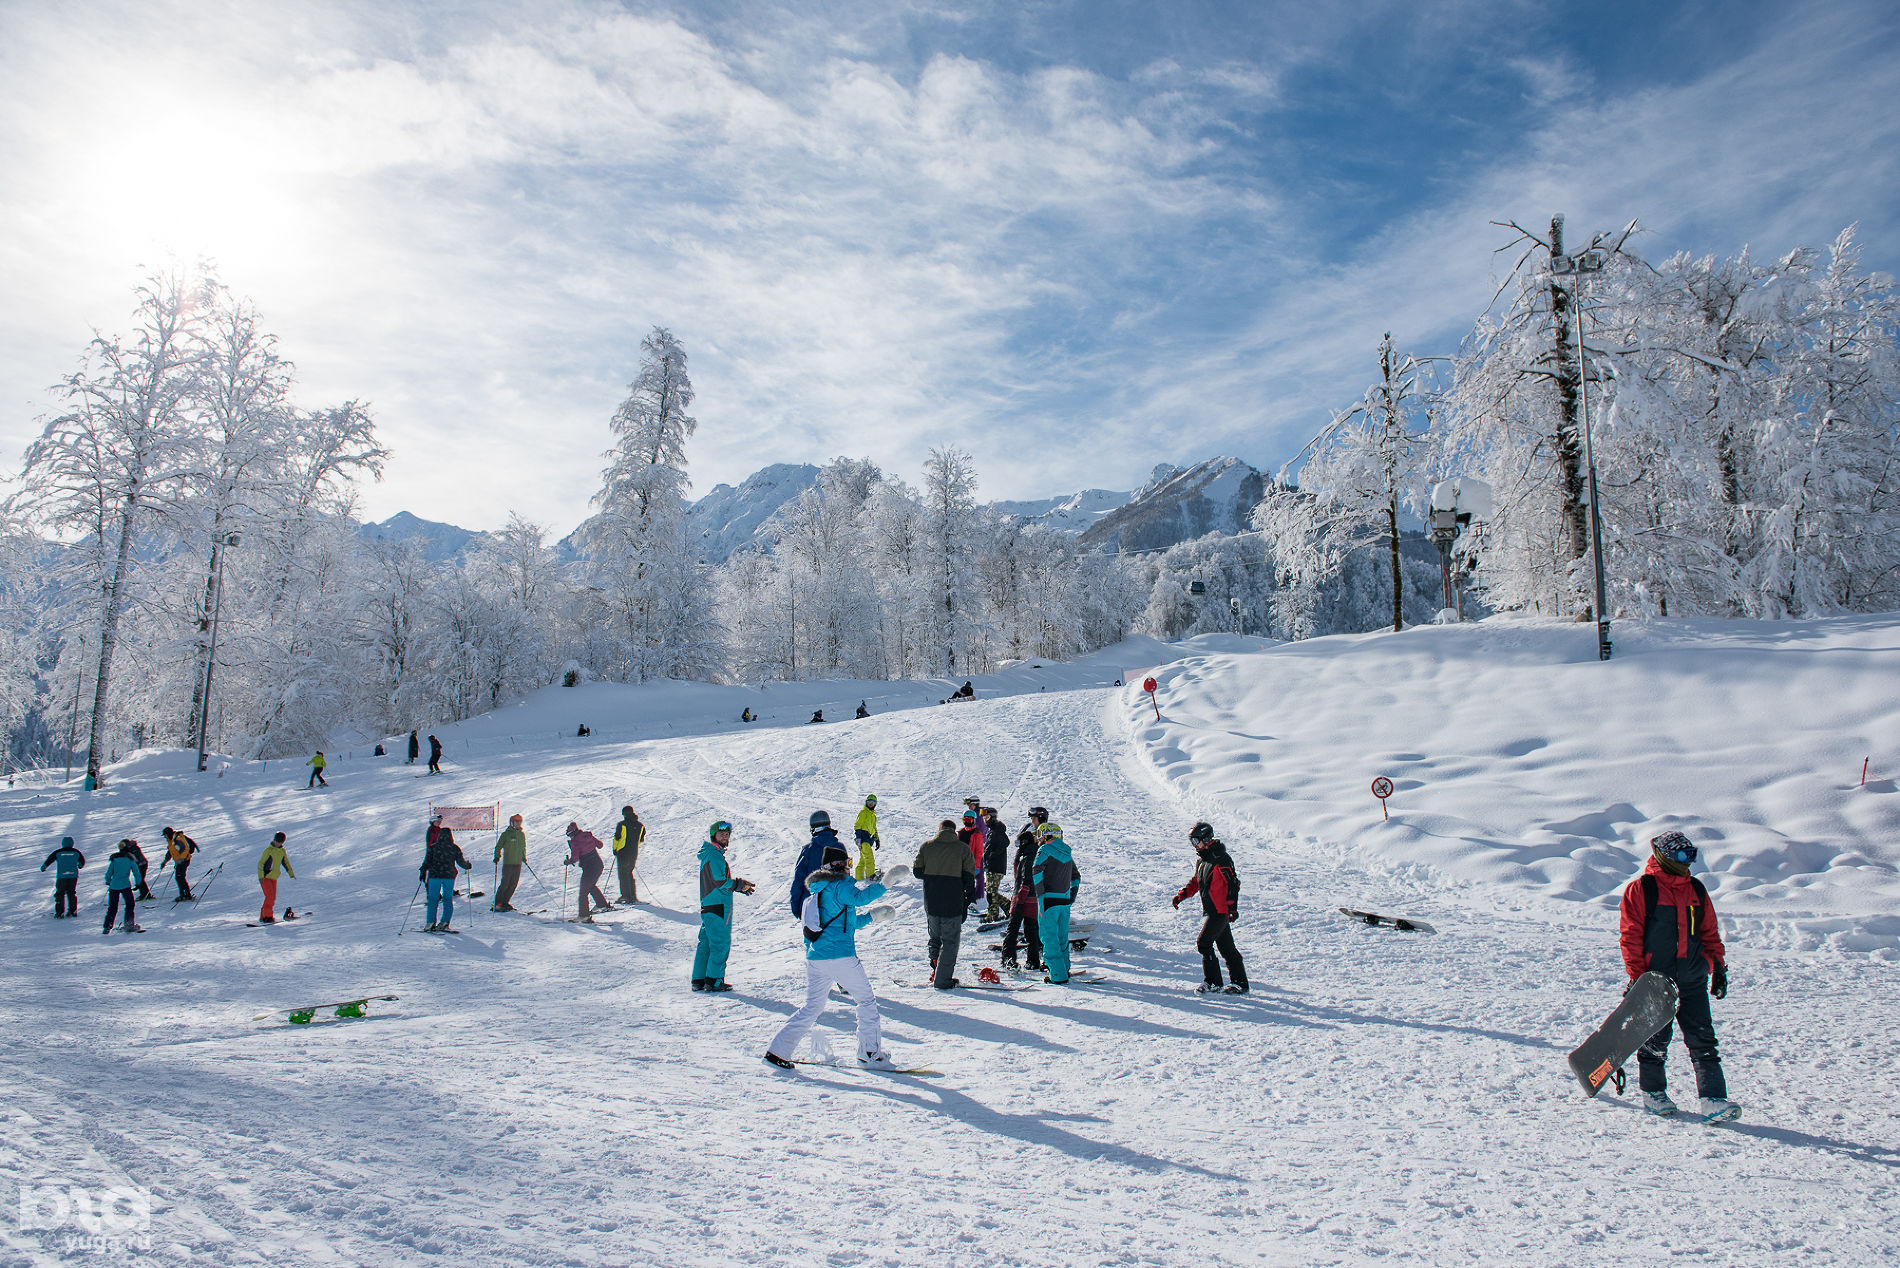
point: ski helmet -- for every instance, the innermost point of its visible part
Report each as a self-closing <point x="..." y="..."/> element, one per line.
<point x="1202" y="832"/>
<point x="819" y="819"/>
<point x="719" y="825"/>
<point x="1039" y="813"/>
<point x="870" y="799"/>
<point x="1050" y="832"/>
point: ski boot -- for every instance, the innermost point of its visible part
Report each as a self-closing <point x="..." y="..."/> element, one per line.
<point x="876" y="1059"/>
<point x="717" y="984"/>
<point x="1235" y="988"/>
<point x="772" y="1058"/>
<point x="699" y="983"/>
<point x="1208" y="988"/>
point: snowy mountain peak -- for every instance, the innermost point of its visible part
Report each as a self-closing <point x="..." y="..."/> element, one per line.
<point x="728" y="518"/>
<point x="1181" y="503"/>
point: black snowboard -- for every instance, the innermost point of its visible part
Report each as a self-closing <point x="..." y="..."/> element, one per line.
<point x="1649" y="1005"/>
<point x="1397" y="922"/>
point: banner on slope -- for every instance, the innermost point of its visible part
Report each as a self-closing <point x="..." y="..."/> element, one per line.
<point x="467" y="818"/>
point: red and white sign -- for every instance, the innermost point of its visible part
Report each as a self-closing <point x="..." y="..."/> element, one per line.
<point x="1382" y="788"/>
<point x="466" y="818"/>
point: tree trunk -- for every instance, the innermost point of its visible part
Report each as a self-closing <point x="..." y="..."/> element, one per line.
<point x="1392" y="520"/>
<point x="1569" y="438"/>
<point x="108" y="641"/>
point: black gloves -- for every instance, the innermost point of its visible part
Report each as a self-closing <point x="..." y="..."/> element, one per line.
<point x="1718" y="982"/>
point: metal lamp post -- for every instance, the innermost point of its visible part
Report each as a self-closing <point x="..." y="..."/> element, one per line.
<point x="211" y="657"/>
<point x="1576" y="266"/>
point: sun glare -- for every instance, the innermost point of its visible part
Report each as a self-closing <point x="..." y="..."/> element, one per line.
<point x="179" y="183"/>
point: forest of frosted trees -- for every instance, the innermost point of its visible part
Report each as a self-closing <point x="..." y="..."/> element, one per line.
<point x="1742" y="415"/>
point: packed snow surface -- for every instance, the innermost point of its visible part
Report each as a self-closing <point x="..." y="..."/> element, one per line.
<point x="547" y="1093"/>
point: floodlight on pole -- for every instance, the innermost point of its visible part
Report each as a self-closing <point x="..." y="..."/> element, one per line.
<point x="1576" y="266"/>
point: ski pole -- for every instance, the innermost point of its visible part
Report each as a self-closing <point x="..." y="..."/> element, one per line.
<point x="411" y="911"/>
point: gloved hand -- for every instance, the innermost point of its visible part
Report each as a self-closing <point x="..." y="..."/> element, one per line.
<point x="744" y="886"/>
<point x="898" y="875"/>
<point x="880" y="914"/>
<point x="1718" y="982"/>
<point x="1177" y="902"/>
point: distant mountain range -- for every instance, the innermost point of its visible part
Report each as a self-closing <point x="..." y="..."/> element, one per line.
<point x="1177" y="504"/>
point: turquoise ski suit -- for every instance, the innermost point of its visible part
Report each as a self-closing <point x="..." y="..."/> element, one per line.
<point x="837" y="894"/>
<point x="715" y="914"/>
<point x="1057" y="883"/>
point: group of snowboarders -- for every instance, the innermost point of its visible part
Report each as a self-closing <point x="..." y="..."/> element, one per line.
<point x="126" y="873"/>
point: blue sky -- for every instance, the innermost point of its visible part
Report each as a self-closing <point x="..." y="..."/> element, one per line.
<point x="1075" y="239"/>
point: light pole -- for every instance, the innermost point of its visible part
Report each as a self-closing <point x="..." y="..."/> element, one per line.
<point x="211" y="656"/>
<point x="1576" y="266"/>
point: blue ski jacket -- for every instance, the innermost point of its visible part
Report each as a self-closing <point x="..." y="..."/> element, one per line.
<point x="833" y="903"/>
<point x="69" y="859"/>
<point x="1056" y="876"/>
<point x="122" y="871"/>
<point x="810" y="859"/>
<point x="715" y="878"/>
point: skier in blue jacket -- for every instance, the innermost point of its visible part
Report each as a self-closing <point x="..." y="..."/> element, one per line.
<point x="831" y="921"/>
<point x="65" y="862"/>
<point x="1057" y="882"/>
<point x="717" y="884"/>
<point x="122" y="878"/>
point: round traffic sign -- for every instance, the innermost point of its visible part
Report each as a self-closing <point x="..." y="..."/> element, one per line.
<point x="1382" y="788"/>
<point x="1148" y="685"/>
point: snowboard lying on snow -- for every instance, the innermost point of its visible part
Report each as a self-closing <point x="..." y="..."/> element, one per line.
<point x="346" y="1009"/>
<point x="1403" y="923"/>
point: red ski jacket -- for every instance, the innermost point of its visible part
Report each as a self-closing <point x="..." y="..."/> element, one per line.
<point x="1218" y="885"/>
<point x="1680" y="934"/>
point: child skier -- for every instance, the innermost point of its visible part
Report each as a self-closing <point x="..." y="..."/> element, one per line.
<point x="1057" y="883"/>
<point x="65" y="862"/>
<point x="716" y="887"/>
<point x="122" y="875"/>
<point x="316" y="765"/>
<point x="179" y="850"/>
<point x="1669" y="926"/>
<point x="866" y="833"/>
<point x="272" y="864"/>
<point x="439" y="863"/>
<point x="1218" y="885"/>
<point x="831" y="921"/>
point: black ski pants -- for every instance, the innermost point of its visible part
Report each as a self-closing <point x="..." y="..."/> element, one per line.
<point x="66" y="896"/>
<point x="178" y="874"/>
<point x="1023" y="916"/>
<point x="112" y="908"/>
<point x="510" y="877"/>
<point x="1698" y="1035"/>
<point x="1217" y="934"/>
<point x="624" y="862"/>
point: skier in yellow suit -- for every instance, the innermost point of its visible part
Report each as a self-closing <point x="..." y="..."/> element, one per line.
<point x="866" y="829"/>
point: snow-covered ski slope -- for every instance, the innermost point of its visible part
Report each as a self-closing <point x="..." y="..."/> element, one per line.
<point x="545" y="1093"/>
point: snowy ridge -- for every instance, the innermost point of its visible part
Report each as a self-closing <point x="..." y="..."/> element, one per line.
<point x="1521" y="764"/>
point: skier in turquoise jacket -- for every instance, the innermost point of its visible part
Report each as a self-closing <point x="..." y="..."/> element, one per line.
<point x="717" y="884"/>
<point x="1057" y="882"/>
<point x="831" y="921"/>
<point x="122" y="878"/>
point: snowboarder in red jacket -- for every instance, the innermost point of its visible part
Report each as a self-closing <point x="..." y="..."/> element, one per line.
<point x="1219" y="887"/>
<point x="1669" y="927"/>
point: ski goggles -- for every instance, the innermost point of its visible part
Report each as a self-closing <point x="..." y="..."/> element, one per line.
<point x="1675" y="847"/>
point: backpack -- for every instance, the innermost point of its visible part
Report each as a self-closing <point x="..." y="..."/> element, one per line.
<point x="814" y="931"/>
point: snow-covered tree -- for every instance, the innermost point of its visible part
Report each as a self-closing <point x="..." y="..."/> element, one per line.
<point x="649" y="586"/>
<point x="117" y="460"/>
